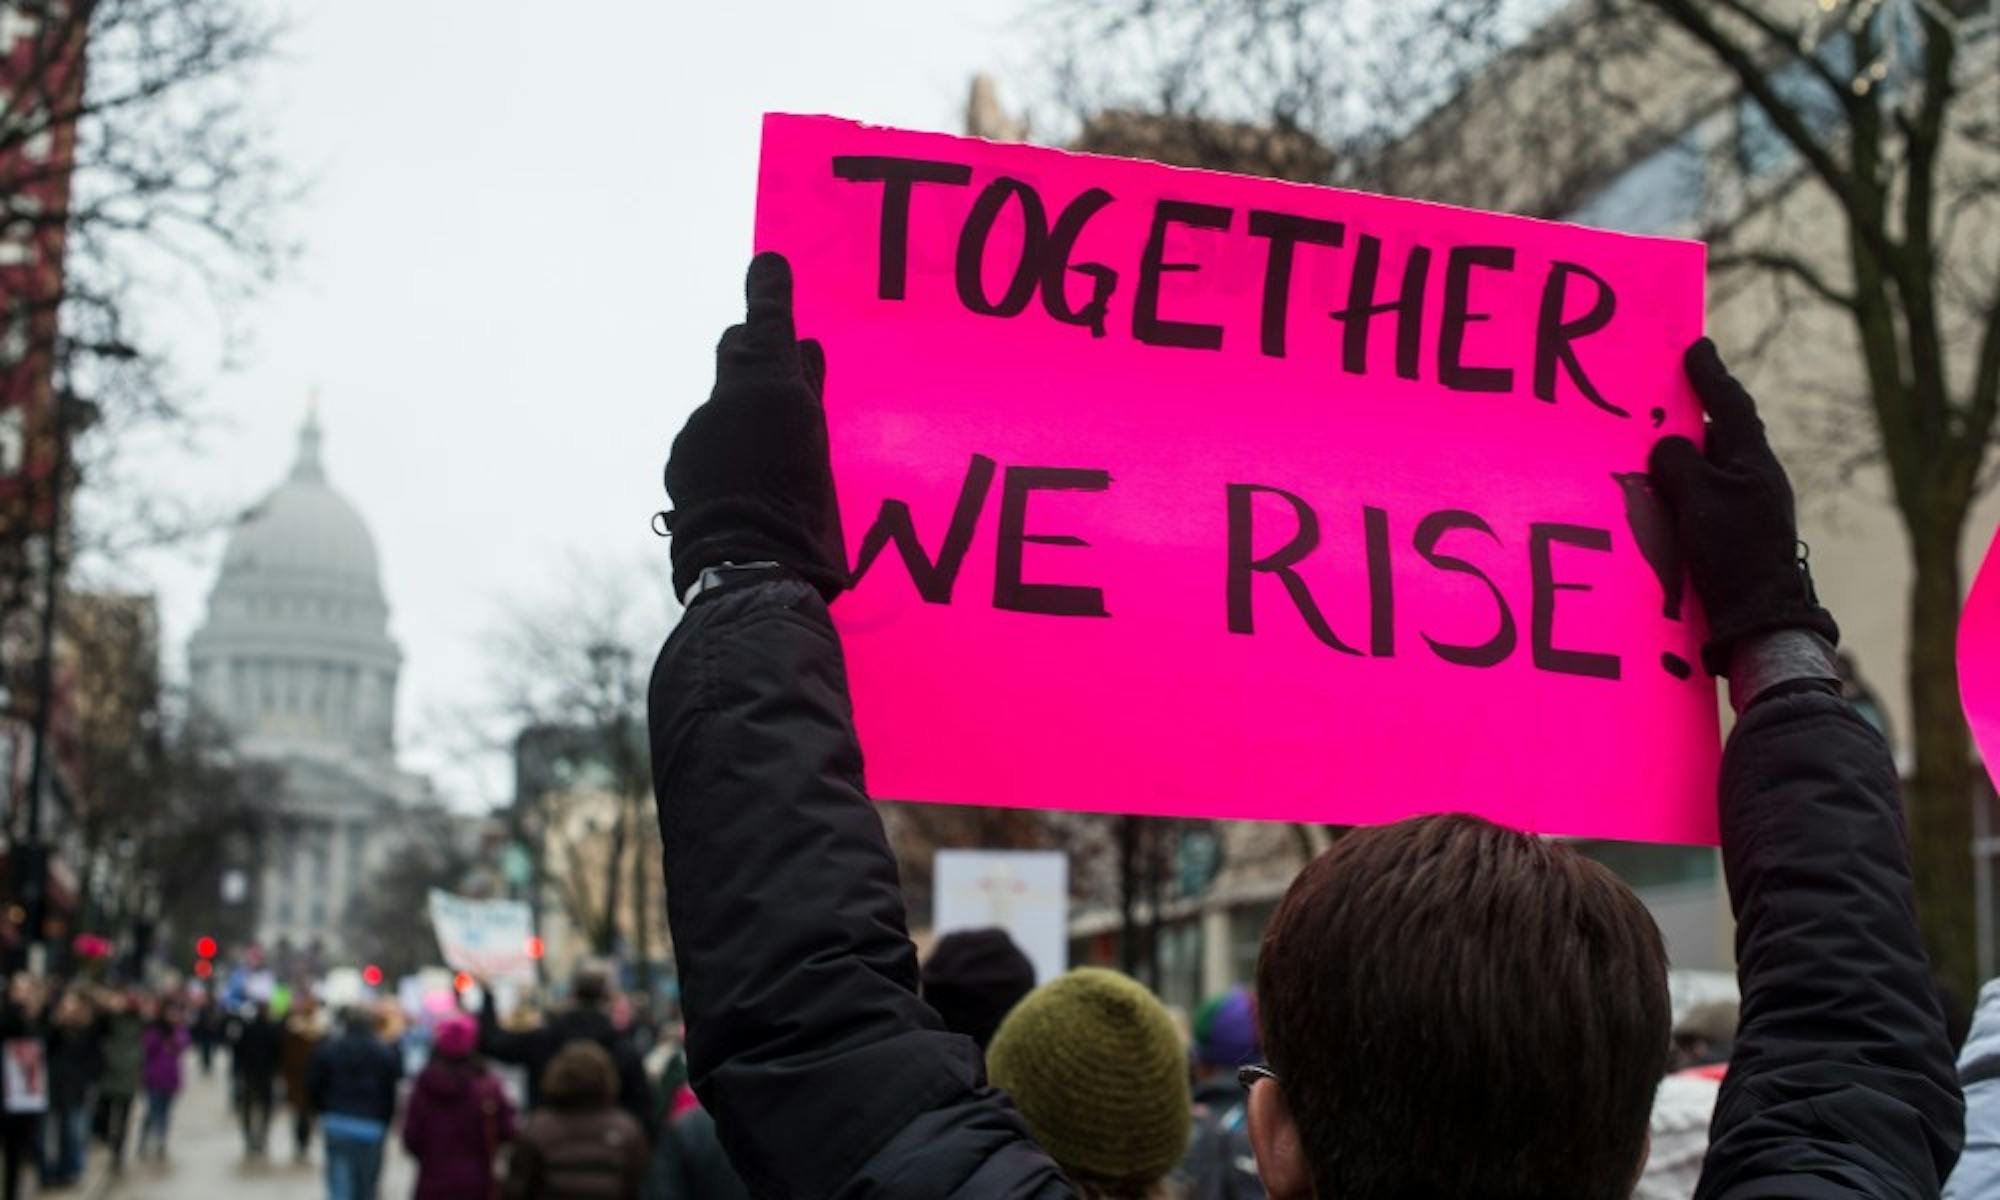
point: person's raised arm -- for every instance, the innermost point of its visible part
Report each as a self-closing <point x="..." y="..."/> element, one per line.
<point x="1841" y="1081"/>
<point x="805" y="1037"/>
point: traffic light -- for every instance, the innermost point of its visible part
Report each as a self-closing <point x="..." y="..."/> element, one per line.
<point x="534" y="947"/>
<point x="371" y="975"/>
<point x="461" y="981"/>
<point x="203" y="969"/>
<point x="204" y="947"/>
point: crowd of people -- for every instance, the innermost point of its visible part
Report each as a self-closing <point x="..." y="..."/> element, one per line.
<point x="85" y="1059"/>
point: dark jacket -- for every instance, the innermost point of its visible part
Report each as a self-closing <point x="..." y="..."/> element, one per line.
<point x="569" y="1154"/>
<point x="533" y="1048"/>
<point x="355" y="1075"/>
<point x="121" y="1035"/>
<point x="799" y="983"/>
<point x="689" y="1164"/>
<point x="75" y="1060"/>
<point x="253" y="1060"/>
<point x="1219" y="1163"/>
<point x="458" y="1119"/>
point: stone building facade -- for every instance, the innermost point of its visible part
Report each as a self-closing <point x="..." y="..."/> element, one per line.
<point x="296" y="659"/>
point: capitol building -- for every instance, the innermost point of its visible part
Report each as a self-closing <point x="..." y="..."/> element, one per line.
<point x="296" y="659"/>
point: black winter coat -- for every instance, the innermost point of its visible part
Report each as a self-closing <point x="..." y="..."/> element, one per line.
<point x="829" y="1077"/>
<point x="533" y="1048"/>
<point x="355" y="1075"/>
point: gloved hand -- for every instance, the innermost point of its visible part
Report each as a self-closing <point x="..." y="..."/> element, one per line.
<point x="749" y="475"/>
<point x="1734" y="519"/>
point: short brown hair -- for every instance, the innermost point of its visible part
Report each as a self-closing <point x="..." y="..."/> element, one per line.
<point x="1454" y="1008"/>
<point x="580" y="1076"/>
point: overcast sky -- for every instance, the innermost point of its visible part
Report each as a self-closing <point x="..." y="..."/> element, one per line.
<point x="528" y="226"/>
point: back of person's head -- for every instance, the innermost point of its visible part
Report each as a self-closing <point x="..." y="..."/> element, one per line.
<point x="973" y="978"/>
<point x="359" y="1018"/>
<point x="1225" y="1031"/>
<point x="590" y="987"/>
<point x="1097" y="1068"/>
<point x="580" y="1077"/>
<point x="457" y="1038"/>
<point x="1705" y="1034"/>
<point x="1457" y="1009"/>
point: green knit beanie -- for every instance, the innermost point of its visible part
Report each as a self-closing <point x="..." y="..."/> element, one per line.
<point x="1095" y="1065"/>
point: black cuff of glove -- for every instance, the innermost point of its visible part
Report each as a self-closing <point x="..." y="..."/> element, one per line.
<point x="1715" y="654"/>
<point x="742" y="531"/>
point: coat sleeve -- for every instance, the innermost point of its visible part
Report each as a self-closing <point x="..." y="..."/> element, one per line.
<point x="1841" y="1082"/>
<point x="504" y="1045"/>
<point x="799" y="982"/>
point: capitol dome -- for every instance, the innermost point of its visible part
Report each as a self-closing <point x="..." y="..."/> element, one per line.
<point x="296" y="646"/>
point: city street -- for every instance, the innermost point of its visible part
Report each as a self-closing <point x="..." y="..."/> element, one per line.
<point x="205" y="1157"/>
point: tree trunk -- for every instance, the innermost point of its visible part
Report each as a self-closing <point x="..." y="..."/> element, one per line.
<point x="1941" y="787"/>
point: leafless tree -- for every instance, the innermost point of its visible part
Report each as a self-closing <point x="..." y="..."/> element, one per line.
<point x="1879" y="117"/>
<point x="132" y="153"/>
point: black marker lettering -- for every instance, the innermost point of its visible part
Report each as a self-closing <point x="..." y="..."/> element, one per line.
<point x="1429" y="532"/>
<point x="1452" y="371"/>
<point x="934" y="580"/>
<point x="1546" y="655"/>
<point x="1243" y="566"/>
<point x="1054" y="599"/>
<point x="898" y="176"/>
<point x="1147" y="324"/>
<point x="972" y="241"/>
<point x="1362" y="309"/>
<point x="1285" y="232"/>
<point x="1555" y="338"/>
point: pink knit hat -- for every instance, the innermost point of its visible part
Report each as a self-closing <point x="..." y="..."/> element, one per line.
<point x="458" y="1037"/>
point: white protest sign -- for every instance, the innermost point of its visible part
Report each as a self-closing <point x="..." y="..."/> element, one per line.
<point x="1025" y="892"/>
<point x="489" y="938"/>
<point x="26" y="1075"/>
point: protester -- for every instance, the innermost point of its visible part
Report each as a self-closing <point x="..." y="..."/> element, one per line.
<point x="1220" y="1163"/>
<point x="1097" y="1070"/>
<point x="1449" y="1008"/>
<point x="76" y="1058"/>
<point x="352" y="1084"/>
<point x="690" y="1164"/>
<point x="973" y="978"/>
<point x="579" y="1143"/>
<point x="206" y="1029"/>
<point x="121" y="1035"/>
<point x="253" y="1071"/>
<point x="1978" y="1172"/>
<point x="585" y="1020"/>
<point x="1704" y="1035"/>
<point x="165" y="1041"/>
<point x="458" y="1119"/>
<point x="26" y="1093"/>
<point x="305" y="1027"/>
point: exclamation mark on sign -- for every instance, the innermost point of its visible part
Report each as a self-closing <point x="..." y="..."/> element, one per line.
<point x="1653" y="530"/>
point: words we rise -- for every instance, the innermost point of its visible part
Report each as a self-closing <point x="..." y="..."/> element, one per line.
<point x="1041" y="270"/>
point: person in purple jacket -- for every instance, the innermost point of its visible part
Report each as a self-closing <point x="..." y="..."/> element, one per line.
<point x="458" y="1118"/>
<point x="165" y="1040"/>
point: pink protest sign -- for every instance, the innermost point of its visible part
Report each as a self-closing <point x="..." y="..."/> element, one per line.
<point x="1180" y="493"/>
<point x="1979" y="659"/>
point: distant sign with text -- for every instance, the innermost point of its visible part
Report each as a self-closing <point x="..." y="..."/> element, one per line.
<point x="1183" y="493"/>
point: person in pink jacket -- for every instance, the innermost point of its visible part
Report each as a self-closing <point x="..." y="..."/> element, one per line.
<point x="458" y="1119"/>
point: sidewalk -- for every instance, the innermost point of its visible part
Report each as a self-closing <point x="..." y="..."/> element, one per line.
<point x="205" y="1158"/>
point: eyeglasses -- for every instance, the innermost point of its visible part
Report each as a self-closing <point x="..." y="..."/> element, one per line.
<point x="1248" y="1077"/>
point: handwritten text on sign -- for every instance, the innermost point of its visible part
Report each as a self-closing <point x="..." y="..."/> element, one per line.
<point x="1181" y="493"/>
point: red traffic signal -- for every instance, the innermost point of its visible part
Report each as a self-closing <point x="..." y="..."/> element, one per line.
<point x="461" y="981"/>
<point x="371" y="975"/>
<point x="534" y="947"/>
<point x="204" y="947"/>
<point x="203" y="969"/>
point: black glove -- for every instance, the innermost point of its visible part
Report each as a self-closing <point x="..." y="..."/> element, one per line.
<point x="1734" y="520"/>
<point x="749" y="475"/>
